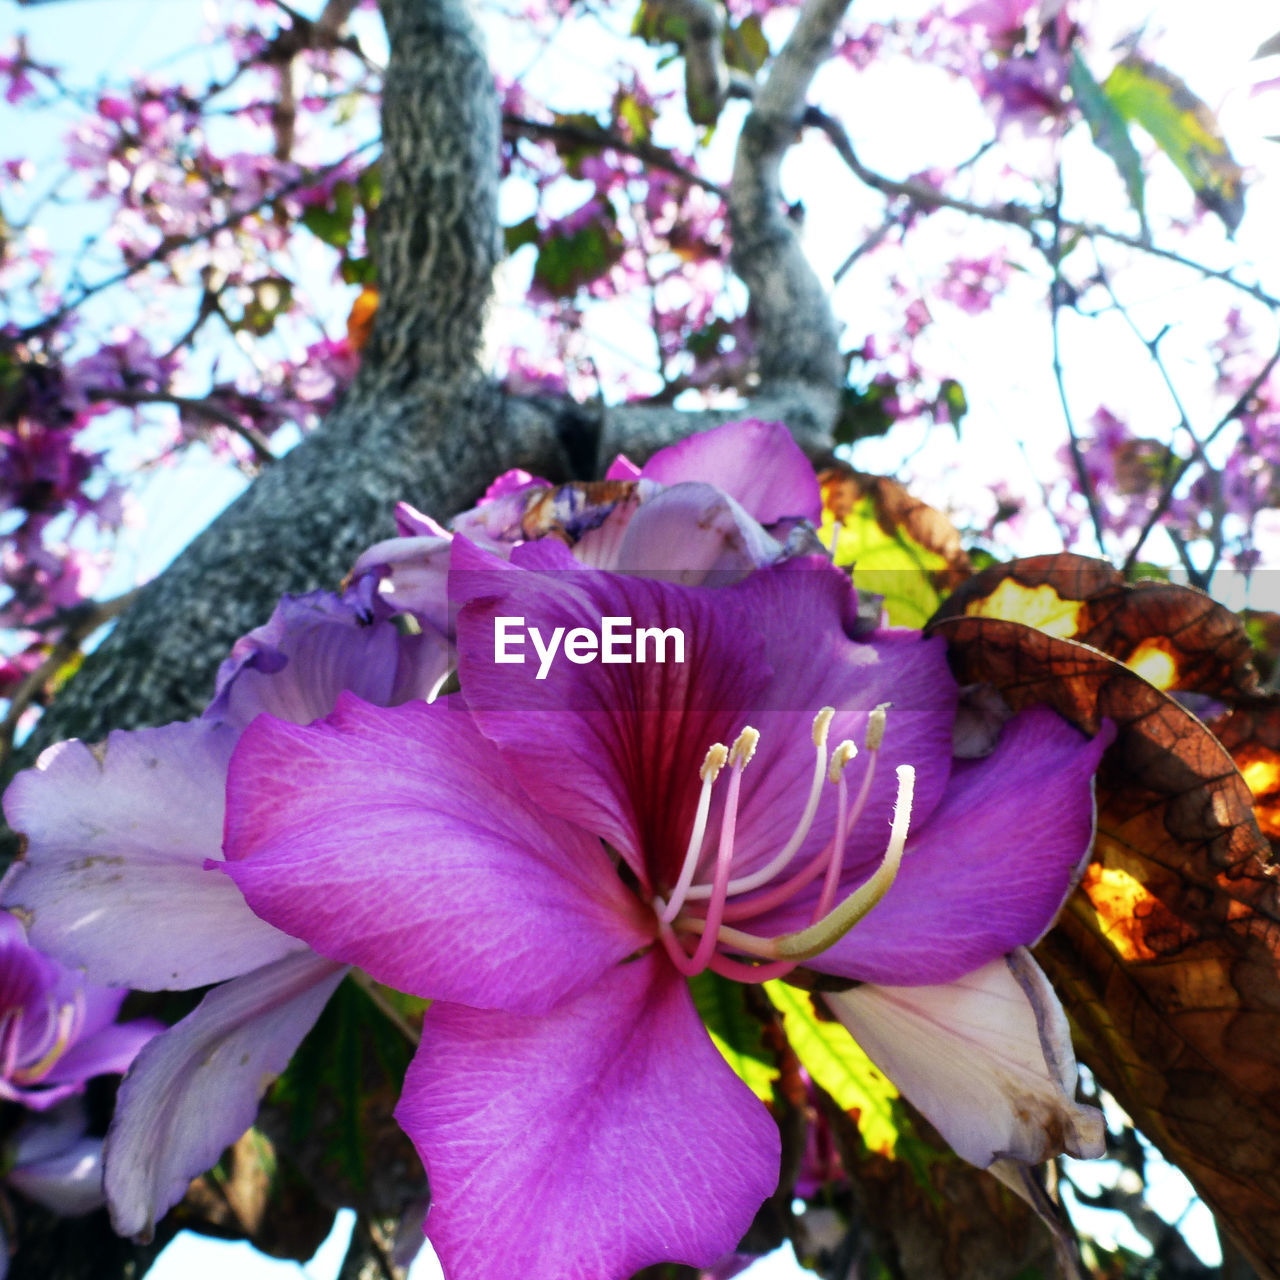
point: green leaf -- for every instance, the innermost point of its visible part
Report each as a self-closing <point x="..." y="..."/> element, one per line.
<point x="862" y="412"/>
<point x="745" y="46"/>
<point x="566" y="263"/>
<point x="521" y="234"/>
<point x="654" y="26"/>
<point x="332" y="222"/>
<point x="953" y="402"/>
<point x="1184" y="128"/>
<point x="359" y="270"/>
<point x="722" y="1006"/>
<point x="638" y="116"/>
<point x="352" y="1039"/>
<point x="272" y="297"/>
<point x="369" y="186"/>
<point x="1109" y="129"/>
<point x="893" y="565"/>
<point x="837" y="1064"/>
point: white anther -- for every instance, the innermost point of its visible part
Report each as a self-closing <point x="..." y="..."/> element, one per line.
<point x="875" y="726"/>
<point x="840" y="759"/>
<point x="744" y="747"/>
<point x="821" y="725"/>
<point x="717" y="754"/>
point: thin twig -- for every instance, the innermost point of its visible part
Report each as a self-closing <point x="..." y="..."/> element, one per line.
<point x="706" y="71"/>
<point x="78" y="624"/>
<point x="872" y="241"/>
<point x="1152" y="346"/>
<point x="168" y="245"/>
<point x="259" y="443"/>
<point x="517" y="126"/>
<point x="1240" y="406"/>
<point x="369" y="1255"/>
<point x="1056" y="286"/>
<point x="1015" y="214"/>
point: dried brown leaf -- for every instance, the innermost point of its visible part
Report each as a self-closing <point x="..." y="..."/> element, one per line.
<point x="1167" y="957"/>
<point x="1174" y="636"/>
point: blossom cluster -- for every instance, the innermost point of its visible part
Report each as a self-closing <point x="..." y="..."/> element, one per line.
<point x="197" y="213"/>
<point x="548" y="861"/>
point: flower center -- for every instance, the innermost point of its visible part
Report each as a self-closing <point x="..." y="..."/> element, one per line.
<point x="61" y="1024"/>
<point x="703" y="913"/>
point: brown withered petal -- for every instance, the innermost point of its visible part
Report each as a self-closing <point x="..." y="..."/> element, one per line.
<point x="1174" y="636"/>
<point x="1167" y="957"/>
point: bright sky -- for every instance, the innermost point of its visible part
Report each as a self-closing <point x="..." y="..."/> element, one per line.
<point x="1006" y="369"/>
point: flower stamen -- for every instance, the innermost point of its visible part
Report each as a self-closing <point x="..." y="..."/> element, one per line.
<point x="843" y="754"/>
<point x="744" y="884"/>
<point x="740" y="754"/>
<point x="818" y="937"/>
<point x="717" y="755"/>
<point x="705" y="910"/>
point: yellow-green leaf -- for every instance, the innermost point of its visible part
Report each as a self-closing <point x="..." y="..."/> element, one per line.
<point x="1108" y="127"/>
<point x="893" y="565"/>
<point x="735" y="1032"/>
<point x="1184" y="128"/>
<point x="746" y="47"/>
<point x="837" y="1064"/>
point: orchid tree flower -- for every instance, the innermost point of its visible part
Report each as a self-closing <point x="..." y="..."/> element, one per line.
<point x="117" y="878"/>
<point x="714" y="506"/>
<point x="57" y="1032"/>
<point x="550" y="855"/>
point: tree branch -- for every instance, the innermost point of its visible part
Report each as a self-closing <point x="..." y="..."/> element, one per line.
<point x="1056" y="288"/>
<point x="1239" y="407"/>
<point x="796" y="331"/>
<point x="418" y="422"/>
<point x="516" y="126"/>
<point x="369" y="1256"/>
<point x="1016" y="215"/>
<point x="706" y="74"/>
<point x="77" y="625"/>
<point x="172" y="244"/>
<point x="1152" y="347"/>
<point x="259" y="443"/>
<point x="440" y="150"/>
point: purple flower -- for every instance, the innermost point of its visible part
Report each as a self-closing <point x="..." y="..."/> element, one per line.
<point x="117" y="877"/>
<point x="56" y="1029"/>
<point x="549" y="854"/>
<point x="720" y="503"/>
<point x="51" y="1159"/>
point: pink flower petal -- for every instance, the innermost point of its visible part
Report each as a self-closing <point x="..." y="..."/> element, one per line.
<point x="622" y="468"/>
<point x="69" y="1183"/>
<point x="397" y="839"/>
<point x="600" y="1139"/>
<point x="990" y="868"/>
<point x="617" y="747"/>
<point x="756" y="463"/>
